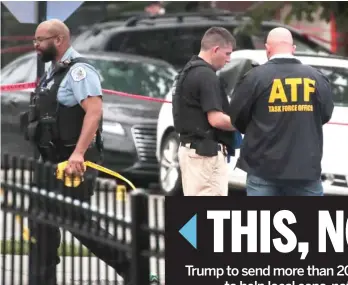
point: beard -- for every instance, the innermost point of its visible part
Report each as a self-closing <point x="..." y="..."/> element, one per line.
<point x="48" y="54"/>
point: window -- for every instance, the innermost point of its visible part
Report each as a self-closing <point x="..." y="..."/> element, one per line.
<point x="302" y="42"/>
<point x="175" y="46"/>
<point x="20" y="71"/>
<point x="259" y="43"/>
<point x="338" y="77"/>
<point x="140" y="78"/>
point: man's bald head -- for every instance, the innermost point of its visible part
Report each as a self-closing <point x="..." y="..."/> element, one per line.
<point x="279" y="41"/>
<point x="52" y="39"/>
<point x="55" y="27"/>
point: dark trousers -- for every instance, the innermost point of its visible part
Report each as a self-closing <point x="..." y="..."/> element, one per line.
<point x="257" y="186"/>
<point x="46" y="239"/>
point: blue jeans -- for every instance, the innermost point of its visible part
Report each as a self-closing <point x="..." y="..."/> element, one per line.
<point x="257" y="186"/>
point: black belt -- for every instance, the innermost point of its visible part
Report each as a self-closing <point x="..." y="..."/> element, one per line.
<point x="193" y="145"/>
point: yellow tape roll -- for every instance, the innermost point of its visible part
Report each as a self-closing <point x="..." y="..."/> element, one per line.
<point x="77" y="180"/>
<point x="69" y="182"/>
<point x="75" y="183"/>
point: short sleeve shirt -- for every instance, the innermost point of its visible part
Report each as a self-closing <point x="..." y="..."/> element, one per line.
<point x="204" y="82"/>
<point x="81" y="81"/>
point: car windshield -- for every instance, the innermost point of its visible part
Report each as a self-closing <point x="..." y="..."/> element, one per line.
<point x="147" y="79"/>
<point x="338" y="77"/>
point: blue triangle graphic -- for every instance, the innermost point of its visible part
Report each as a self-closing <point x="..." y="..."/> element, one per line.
<point x="189" y="231"/>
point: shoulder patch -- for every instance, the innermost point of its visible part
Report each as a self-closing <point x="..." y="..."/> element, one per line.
<point x="78" y="73"/>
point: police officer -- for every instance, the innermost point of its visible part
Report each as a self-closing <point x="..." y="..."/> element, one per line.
<point x="65" y="116"/>
<point x="199" y="106"/>
<point x="281" y="107"/>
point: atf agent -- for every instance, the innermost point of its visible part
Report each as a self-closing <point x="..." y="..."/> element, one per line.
<point x="199" y="106"/>
<point x="281" y="107"/>
<point x="65" y="117"/>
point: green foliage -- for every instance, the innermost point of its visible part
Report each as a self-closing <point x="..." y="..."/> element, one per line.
<point x="262" y="11"/>
<point x="303" y="11"/>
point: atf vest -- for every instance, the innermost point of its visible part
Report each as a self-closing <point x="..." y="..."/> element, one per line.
<point x="182" y="112"/>
<point x="51" y="123"/>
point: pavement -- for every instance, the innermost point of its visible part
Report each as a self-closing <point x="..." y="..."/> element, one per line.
<point x="97" y="269"/>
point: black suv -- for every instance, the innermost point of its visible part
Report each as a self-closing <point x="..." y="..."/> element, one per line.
<point x="176" y="37"/>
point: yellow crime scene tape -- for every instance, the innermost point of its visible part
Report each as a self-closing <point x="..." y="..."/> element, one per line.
<point x="69" y="182"/>
<point x="77" y="180"/>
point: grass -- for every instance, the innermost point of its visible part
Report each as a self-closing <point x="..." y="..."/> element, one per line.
<point x="7" y="247"/>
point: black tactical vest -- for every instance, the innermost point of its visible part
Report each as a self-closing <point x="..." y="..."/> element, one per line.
<point x="181" y="106"/>
<point x="51" y="124"/>
<point x="181" y="109"/>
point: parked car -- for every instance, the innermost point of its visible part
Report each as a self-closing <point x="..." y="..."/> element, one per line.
<point x="176" y="37"/>
<point x="129" y="125"/>
<point x="335" y="158"/>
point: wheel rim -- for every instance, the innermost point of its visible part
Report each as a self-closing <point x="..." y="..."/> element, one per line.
<point x="169" y="166"/>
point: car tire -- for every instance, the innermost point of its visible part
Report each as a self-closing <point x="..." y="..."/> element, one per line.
<point x="169" y="170"/>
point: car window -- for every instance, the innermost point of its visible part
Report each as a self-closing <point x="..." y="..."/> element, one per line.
<point x="243" y="41"/>
<point x="302" y="43"/>
<point x="93" y="39"/>
<point x="259" y="43"/>
<point x="175" y="46"/>
<point x="338" y="77"/>
<point x="140" y="78"/>
<point x="8" y="70"/>
<point x="84" y="41"/>
<point x="19" y="71"/>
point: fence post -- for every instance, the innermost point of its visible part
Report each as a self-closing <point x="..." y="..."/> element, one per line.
<point x="140" y="264"/>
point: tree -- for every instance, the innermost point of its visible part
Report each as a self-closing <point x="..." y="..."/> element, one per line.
<point x="304" y="11"/>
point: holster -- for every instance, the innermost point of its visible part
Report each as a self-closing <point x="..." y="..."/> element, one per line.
<point x="227" y="139"/>
<point x="207" y="147"/>
<point x="49" y="153"/>
<point x="230" y="151"/>
<point x="32" y="131"/>
<point x="44" y="134"/>
<point x="29" y="123"/>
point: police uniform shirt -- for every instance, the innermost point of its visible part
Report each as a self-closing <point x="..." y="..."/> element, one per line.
<point x="281" y="106"/>
<point x="201" y="89"/>
<point x="81" y="81"/>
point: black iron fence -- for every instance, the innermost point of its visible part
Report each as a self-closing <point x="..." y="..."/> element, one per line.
<point x="53" y="232"/>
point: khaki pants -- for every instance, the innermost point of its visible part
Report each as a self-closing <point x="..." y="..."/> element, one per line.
<point x="201" y="175"/>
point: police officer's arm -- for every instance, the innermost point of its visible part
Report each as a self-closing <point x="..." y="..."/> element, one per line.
<point x="211" y="102"/>
<point x="241" y="102"/>
<point x="325" y="98"/>
<point x="86" y="86"/>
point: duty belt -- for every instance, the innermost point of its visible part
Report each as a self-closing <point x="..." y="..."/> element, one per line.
<point x="193" y="145"/>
